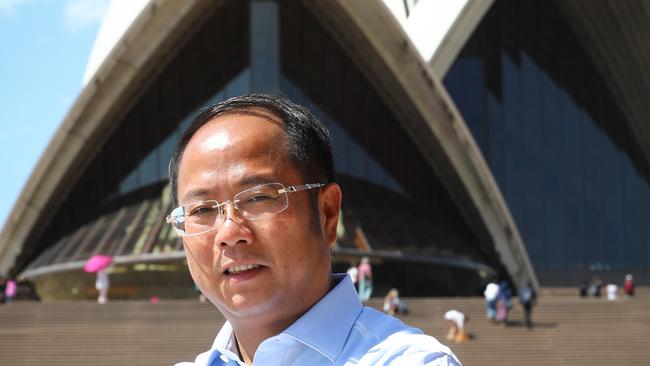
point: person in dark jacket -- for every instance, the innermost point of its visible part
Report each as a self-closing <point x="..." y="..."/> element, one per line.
<point x="527" y="300"/>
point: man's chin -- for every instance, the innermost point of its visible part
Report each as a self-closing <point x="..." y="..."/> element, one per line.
<point x="241" y="306"/>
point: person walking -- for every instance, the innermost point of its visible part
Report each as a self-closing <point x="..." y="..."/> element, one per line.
<point x="490" y="293"/>
<point x="584" y="289"/>
<point x="504" y="303"/>
<point x="628" y="286"/>
<point x="527" y="300"/>
<point x="102" y="284"/>
<point x="365" y="279"/>
<point x="612" y="292"/>
<point x="10" y="291"/>
<point x="596" y="285"/>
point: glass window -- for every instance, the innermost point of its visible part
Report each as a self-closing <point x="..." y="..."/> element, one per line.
<point x="554" y="139"/>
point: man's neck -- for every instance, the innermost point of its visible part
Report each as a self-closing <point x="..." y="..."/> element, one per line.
<point x="250" y="332"/>
<point x="243" y="355"/>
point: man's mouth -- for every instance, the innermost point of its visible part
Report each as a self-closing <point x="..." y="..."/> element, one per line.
<point x="242" y="268"/>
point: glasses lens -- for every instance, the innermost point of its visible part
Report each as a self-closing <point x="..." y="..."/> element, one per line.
<point x="261" y="201"/>
<point x="178" y="220"/>
<point x="197" y="217"/>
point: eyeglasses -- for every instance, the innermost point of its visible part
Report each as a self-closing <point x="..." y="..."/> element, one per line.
<point x="254" y="203"/>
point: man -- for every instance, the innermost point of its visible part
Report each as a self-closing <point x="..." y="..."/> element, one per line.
<point x="527" y="300"/>
<point x="258" y="209"/>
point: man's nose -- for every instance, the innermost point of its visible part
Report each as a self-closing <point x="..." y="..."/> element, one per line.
<point x="233" y="230"/>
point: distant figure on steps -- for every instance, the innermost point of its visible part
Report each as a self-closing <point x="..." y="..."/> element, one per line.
<point x="612" y="292"/>
<point x="490" y="293"/>
<point x="628" y="286"/>
<point x="457" y="321"/>
<point x="504" y="303"/>
<point x="102" y="284"/>
<point x="527" y="300"/>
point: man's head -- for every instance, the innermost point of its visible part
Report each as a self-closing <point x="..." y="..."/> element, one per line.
<point x="308" y="141"/>
<point x="273" y="268"/>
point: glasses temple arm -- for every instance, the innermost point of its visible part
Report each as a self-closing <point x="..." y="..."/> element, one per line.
<point x="302" y="187"/>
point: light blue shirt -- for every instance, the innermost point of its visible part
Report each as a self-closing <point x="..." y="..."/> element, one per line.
<point x="338" y="330"/>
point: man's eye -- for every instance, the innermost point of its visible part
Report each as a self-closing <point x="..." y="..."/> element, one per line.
<point x="259" y="197"/>
<point x="202" y="210"/>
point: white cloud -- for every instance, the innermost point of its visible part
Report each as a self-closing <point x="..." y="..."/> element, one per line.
<point x="9" y="6"/>
<point x="80" y="14"/>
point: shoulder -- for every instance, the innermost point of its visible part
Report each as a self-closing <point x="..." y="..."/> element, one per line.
<point x="412" y="349"/>
<point x="391" y="342"/>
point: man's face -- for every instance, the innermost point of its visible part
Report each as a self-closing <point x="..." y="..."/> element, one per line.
<point x="291" y="252"/>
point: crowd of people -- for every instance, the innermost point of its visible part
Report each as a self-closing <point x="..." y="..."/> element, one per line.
<point x="498" y="302"/>
<point x="498" y="299"/>
<point x="594" y="288"/>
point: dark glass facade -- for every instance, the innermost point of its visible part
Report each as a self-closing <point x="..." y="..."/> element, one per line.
<point x="404" y="220"/>
<point x="557" y="144"/>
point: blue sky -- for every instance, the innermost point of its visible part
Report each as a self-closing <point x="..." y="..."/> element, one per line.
<point x="45" y="46"/>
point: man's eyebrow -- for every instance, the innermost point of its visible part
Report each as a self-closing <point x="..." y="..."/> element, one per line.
<point x="202" y="193"/>
<point x="192" y="195"/>
<point x="257" y="179"/>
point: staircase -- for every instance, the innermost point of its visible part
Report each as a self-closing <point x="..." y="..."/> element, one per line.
<point x="117" y="333"/>
<point x="568" y="331"/>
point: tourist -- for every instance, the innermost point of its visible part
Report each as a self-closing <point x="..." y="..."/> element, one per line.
<point x="490" y="293"/>
<point x="10" y="291"/>
<point x="628" y="286"/>
<point x="504" y="303"/>
<point x="393" y="304"/>
<point x="102" y="284"/>
<point x="365" y="279"/>
<point x="457" y="321"/>
<point x="258" y="207"/>
<point x="612" y="291"/>
<point x="527" y="300"/>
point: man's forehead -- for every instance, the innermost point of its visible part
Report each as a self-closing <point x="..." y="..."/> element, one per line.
<point x="233" y="129"/>
<point x="233" y="152"/>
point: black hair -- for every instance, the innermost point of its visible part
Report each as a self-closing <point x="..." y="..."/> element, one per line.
<point x="309" y="145"/>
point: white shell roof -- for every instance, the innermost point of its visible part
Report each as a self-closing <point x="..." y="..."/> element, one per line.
<point x="119" y="16"/>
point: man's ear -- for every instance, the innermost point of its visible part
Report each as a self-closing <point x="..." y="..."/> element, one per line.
<point x="330" y="207"/>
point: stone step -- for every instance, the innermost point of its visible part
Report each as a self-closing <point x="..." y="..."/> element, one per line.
<point x="569" y="331"/>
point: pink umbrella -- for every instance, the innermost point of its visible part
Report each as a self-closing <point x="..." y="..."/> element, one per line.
<point x="97" y="262"/>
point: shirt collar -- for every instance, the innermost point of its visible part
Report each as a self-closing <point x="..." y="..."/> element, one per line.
<point x="325" y="327"/>
<point x="226" y="342"/>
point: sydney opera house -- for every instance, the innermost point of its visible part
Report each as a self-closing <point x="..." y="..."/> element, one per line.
<point x="474" y="140"/>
